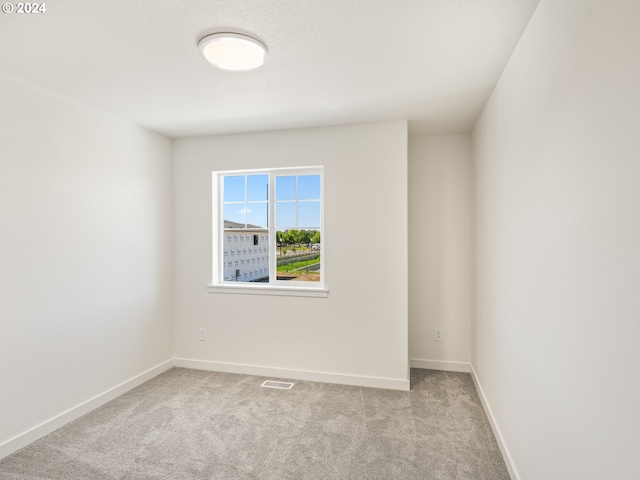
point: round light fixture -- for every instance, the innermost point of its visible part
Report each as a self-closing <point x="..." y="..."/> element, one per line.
<point x="233" y="51"/>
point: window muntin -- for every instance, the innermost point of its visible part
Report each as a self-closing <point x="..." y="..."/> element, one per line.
<point x="280" y="209"/>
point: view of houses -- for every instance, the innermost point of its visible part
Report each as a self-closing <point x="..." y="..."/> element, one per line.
<point x="246" y="254"/>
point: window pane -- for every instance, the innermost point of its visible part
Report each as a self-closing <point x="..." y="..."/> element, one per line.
<point x="234" y="215"/>
<point x="309" y="215"/>
<point x="246" y="256"/>
<point x="257" y="215"/>
<point x="286" y="216"/>
<point x="285" y="188"/>
<point x="309" y="187"/>
<point x="257" y="187"/>
<point x="297" y="257"/>
<point x="234" y="188"/>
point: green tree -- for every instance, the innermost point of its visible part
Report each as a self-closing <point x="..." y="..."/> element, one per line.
<point x="289" y="237"/>
<point x="305" y="237"/>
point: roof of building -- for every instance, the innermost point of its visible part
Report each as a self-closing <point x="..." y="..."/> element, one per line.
<point x="228" y="224"/>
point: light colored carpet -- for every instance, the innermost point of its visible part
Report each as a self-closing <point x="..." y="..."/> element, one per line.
<point x="189" y="424"/>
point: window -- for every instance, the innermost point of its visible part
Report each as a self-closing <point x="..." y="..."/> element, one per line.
<point x="270" y="222"/>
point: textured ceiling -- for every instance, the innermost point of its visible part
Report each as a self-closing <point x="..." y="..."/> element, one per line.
<point x="433" y="62"/>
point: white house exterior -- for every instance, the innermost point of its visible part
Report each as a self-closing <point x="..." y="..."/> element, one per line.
<point x="246" y="253"/>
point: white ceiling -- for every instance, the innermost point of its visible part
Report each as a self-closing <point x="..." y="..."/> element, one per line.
<point x="433" y="62"/>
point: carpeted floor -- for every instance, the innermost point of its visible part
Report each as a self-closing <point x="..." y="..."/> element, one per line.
<point x="189" y="424"/>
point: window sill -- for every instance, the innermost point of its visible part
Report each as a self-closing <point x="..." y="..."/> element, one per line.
<point x="269" y="290"/>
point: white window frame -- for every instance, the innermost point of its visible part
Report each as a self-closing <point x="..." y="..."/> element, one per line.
<point x="275" y="286"/>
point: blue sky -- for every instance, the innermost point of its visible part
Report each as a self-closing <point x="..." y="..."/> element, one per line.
<point x="250" y="194"/>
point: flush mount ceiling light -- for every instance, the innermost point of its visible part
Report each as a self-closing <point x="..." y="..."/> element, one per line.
<point x="233" y="51"/>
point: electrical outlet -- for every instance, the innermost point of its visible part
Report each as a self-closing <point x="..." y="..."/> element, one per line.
<point x="438" y="335"/>
<point x="202" y="335"/>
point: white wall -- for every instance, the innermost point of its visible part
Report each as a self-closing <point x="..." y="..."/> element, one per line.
<point x="557" y="175"/>
<point x="440" y="245"/>
<point x="85" y="255"/>
<point x="360" y="330"/>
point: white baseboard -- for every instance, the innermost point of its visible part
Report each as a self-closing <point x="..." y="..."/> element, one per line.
<point x="513" y="472"/>
<point x="339" y="378"/>
<point x="16" y="443"/>
<point x="440" y="365"/>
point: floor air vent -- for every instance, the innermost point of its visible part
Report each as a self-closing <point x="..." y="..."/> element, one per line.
<point x="275" y="384"/>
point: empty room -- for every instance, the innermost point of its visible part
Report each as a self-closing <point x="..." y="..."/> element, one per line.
<point x="386" y="239"/>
